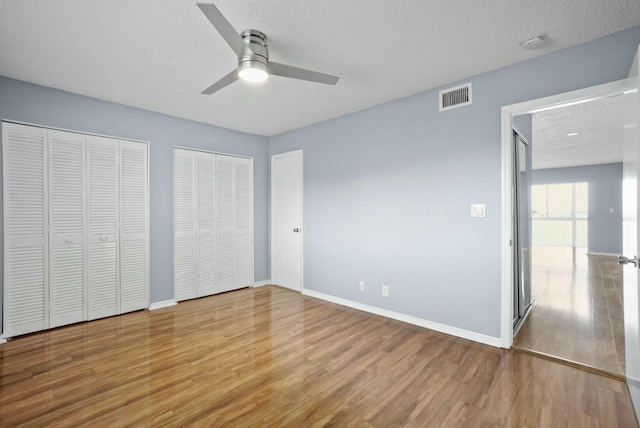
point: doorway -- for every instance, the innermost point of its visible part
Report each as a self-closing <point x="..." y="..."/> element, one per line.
<point x="629" y="88"/>
<point x="574" y="187"/>
<point x="286" y="220"/>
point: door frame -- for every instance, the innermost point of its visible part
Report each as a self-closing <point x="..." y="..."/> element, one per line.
<point x="507" y="154"/>
<point x="297" y="153"/>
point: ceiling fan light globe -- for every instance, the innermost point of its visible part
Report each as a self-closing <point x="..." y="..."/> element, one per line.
<point x="253" y="71"/>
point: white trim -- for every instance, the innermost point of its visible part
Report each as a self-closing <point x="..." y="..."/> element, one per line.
<point x="162" y="304"/>
<point x="453" y="331"/>
<point x="75" y="131"/>
<point x="212" y="152"/>
<point x="261" y="283"/>
<point x="507" y="113"/>
<point x="2" y="340"/>
<point x="590" y="253"/>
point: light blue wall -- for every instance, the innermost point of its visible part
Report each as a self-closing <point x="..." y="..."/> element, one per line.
<point x="387" y="190"/>
<point x="605" y="192"/>
<point x="50" y="107"/>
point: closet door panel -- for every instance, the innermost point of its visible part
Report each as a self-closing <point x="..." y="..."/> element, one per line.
<point x="226" y="224"/>
<point x="206" y="224"/>
<point x="134" y="226"/>
<point x="244" y="222"/>
<point x="25" y="213"/>
<point x="103" y="270"/>
<point x="184" y="224"/>
<point x="67" y="228"/>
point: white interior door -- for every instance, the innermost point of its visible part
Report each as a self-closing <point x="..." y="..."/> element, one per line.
<point x="134" y="226"/>
<point x="244" y="222"/>
<point x="184" y="191"/>
<point x="206" y="223"/>
<point x="103" y="267"/>
<point x="226" y="271"/>
<point x="631" y="236"/>
<point x="67" y="222"/>
<point x="286" y="220"/>
<point x="25" y="220"/>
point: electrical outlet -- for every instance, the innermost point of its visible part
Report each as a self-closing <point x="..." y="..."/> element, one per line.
<point x="361" y="285"/>
<point x="385" y="290"/>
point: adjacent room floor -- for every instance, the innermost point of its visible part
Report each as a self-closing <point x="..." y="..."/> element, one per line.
<point x="273" y="357"/>
<point x="577" y="313"/>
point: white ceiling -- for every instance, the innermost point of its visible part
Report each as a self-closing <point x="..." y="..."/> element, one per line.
<point x="160" y="54"/>
<point x="600" y="128"/>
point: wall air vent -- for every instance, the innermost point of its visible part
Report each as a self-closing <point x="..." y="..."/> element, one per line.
<point x="455" y="97"/>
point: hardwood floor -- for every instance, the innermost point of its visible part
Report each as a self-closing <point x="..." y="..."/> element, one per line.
<point x="578" y="312"/>
<point x="272" y="357"/>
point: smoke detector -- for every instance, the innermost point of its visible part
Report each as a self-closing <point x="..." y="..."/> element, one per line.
<point x="533" y="42"/>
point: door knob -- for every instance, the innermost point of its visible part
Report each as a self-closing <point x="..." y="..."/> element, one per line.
<point x="296" y="230"/>
<point x="622" y="260"/>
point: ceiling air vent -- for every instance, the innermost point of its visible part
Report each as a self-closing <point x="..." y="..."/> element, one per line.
<point x="455" y="97"/>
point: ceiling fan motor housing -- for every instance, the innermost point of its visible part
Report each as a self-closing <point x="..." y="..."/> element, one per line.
<point x="256" y="48"/>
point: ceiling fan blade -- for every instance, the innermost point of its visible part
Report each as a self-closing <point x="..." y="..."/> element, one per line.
<point x="284" y="70"/>
<point x="228" y="33"/>
<point x="225" y="81"/>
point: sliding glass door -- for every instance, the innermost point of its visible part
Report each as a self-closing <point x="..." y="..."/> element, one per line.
<point x="560" y="214"/>
<point x="522" y="232"/>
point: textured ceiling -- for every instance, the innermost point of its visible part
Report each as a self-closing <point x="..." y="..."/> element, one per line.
<point x="160" y="54"/>
<point x="600" y="128"/>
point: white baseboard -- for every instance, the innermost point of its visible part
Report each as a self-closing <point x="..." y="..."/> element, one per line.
<point x="602" y="254"/>
<point x="261" y="283"/>
<point x="454" y="331"/>
<point x="163" y="304"/>
<point x="2" y="340"/>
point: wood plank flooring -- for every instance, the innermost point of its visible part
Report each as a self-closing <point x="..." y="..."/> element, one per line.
<point x="578" y="312"/>
<point x="272" y="357"/>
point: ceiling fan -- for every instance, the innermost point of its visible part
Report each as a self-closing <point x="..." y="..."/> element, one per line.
<point x="253" y="56"/>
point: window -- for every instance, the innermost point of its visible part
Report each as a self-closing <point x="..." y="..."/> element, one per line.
<point x="559" y="214"/>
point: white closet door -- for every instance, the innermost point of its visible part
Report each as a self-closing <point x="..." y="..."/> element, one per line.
<point x="134" y="226"/>
<point x="184" y="253"/>
<point x="66" y="228"/>
<point x="26" y="287"/>
<point x="102" y="268"/>
<point x="244" y="222"/>
<point x="206" y="224"/>
<point x="226" y="224"/>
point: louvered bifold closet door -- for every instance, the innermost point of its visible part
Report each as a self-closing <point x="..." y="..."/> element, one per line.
<point x="206" y="224"/>
<point x="226" y="224"/>
<point x="26" y="288"/>
<point x="134" y="226"/>
<point x="102" y="199"/>
<point x="244" y="222"/>
<point x="184" y="264"/>
<point x="67" y="209"/>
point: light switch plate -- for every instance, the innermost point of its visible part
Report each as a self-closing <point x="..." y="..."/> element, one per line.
<point x="478" y="210"/>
